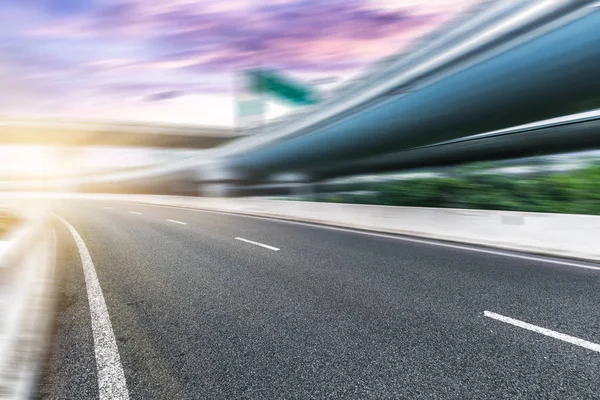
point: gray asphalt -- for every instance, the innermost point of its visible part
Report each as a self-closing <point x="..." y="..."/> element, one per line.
<point x="332" y="315"/>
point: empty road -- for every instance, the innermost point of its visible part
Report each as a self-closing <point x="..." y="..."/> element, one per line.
<point x="214" y="306"/>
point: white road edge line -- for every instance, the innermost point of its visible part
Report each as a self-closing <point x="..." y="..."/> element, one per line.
<point x="111" y="378"/>
<point x="266" y="246"/>
<point x="392" y="236"/>
<point x="553" y="334"/>
<point x="177" y="222"/>
<point x="135" y="212"/>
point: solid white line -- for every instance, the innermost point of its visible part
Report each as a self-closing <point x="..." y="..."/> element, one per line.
<point x="392" y="236"/>
<point x="177" y="222"/>
<point x="111" y="378"/>
<point x="266" y="246"/>
<point x="107" y="208"/>
<point x="135" y="212"/>
<point x="556" y="335"/>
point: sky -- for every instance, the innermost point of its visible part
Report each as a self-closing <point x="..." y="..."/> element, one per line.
<point x="176" y="60"/>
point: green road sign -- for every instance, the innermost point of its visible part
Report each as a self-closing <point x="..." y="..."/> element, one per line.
<point x="273" y="84"/>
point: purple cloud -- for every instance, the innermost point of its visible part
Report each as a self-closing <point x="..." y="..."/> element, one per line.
<point x="303" y="35"/>
<point x="300" y="35"/>
<point x="161" y="96"/>
<point x="155" y="50"/>
<point x="157" y="91"/>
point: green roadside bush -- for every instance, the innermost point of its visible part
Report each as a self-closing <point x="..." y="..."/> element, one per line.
<point x="573" y="192"/>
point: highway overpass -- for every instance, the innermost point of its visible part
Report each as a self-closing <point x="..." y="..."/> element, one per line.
<point x="510" y="78"/>
<point x="64" y="132"/>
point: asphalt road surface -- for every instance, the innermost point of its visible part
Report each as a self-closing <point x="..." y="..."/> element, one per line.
<point x="214" y="306"/>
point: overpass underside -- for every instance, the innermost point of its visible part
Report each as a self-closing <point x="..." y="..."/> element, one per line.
<point x="117" y="135"/>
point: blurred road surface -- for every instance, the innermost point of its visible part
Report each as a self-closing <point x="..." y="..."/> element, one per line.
<point x="215" y="306"/>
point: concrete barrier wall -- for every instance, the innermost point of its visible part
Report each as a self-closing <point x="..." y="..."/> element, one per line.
<point x="567" y="235"/>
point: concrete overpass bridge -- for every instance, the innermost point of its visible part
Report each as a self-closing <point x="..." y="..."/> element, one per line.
<point x="65" y="132"/>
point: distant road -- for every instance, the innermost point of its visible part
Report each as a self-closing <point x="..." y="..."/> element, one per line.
<point x="216" y="306"/>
